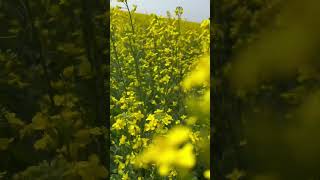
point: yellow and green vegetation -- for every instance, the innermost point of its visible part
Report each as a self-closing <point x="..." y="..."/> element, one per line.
<point x="52" y="98"/>
<point x="159" y="96"/>
<point x="266" y="90"/>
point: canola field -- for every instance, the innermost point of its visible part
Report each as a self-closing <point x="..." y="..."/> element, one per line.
<point x="160" y="96"/>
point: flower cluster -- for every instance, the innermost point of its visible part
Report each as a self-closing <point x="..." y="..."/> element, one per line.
<point x="166" y="152"/>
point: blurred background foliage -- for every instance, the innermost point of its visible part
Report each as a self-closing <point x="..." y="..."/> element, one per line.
<point x="266" y="89"/>
<point x="52" y="95"/>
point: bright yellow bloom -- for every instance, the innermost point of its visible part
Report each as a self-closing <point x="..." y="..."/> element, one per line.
<point x="122" y="139"/>
<point x="178" y="135"/>
<point x="206" y="174"/>
<point x="133" y="129"/>
<point x="152" y="123"/>
<point x="138" y="115"/>
<point x="119" y="124"/>
<point x="158" y="111"/>
<point x="125" y="177"/>
<point x="151" y="117"/>
<point x="200" y="76"/>
<point x="167" y="119"/>
<point x="121" y="166"/>
<point x="205" y="23"/>
<point x="165" y="151"/>
<point x="164" y="170"/>
<point x="185" y="157"/>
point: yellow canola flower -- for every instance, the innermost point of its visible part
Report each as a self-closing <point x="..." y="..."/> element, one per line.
<point x="158" y="111"/>
<point x="138" y="115"/>
<point x="205" y="102"/>
<point x="178" y="135"/>
<point x="165" y="79"/>
<point x="151" y="117"/>
<point x="195" y="137"/>
<point x="205" y="23"/>
<point x="206" y="174"/>
<point x="125" y="177"/>
<point x="152" y="123"/>
<point x="121" y="166"/>
<point x="167" y="119"/>
<point x="185" y="157"/>
<point x="133" y="129"/>
<point x="164" y="170"/>
<point x="119" y="124"/>
<point x="122" y="139"/>
<point x="166" y="154"/>
<point x="199" y="76"/>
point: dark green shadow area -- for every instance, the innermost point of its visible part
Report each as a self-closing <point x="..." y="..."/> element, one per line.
<point x="54" y="89"/>
<point x="266" y="89"/>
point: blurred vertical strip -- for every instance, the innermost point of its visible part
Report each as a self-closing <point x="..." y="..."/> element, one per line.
<point x="212" y="86"/>
<point x="265" y="89"/>
<point x="107" y="85"/>
<point x="54" y="89"/>
<point x="98" y="55"/>
<point x="218" y="55"/>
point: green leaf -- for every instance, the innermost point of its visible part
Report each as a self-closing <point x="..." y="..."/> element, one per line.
<point x="82" y="137"/>
<point x="84" y="69"/>
<point x="95" y="131"/>
<point x="68" y="71"/>
<point x="236" y="174"/>
<point x="91" y="169"/>
<point x="40" y="121"/>
<point x="58" y="100"/>
<point x="74" y="149"/>
<point x="13" y="120"/>
<point x="2" y="174"/>
<point x="43" y="143"/>
<point x="4" y="143"/>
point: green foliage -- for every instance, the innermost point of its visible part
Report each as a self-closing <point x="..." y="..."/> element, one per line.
<point x="61" y="169"/>
<point x="267" y="75"/>
<point x="5" y="142"/>
<point x="51" y="68"/>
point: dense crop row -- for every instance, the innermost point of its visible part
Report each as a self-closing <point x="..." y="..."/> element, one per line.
<point x="159" y="97"/>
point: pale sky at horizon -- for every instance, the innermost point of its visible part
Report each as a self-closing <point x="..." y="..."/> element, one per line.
<point x="194" y="10"/>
